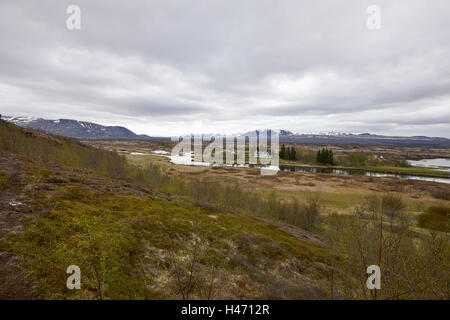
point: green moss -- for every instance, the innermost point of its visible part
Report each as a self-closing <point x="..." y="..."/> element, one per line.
<point x="435" y="218"/>
<point x="5" y="181"/>
<point x="111" y="235"/>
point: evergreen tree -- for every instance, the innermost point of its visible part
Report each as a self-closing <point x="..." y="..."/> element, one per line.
<point x="283" y="152"/>
<point x="331" y="160"/>
<point x="293" y="154"/>
<point x="325" y="156"/>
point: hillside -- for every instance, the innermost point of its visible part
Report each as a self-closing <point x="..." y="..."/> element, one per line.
<point x="64" y="203"/>
<point x="76" y="129"/>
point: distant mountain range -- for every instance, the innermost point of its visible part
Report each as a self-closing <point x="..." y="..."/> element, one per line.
<point x="76" y="129"/>
<point x="366" y="138"/>
<point x="88" y="130"/>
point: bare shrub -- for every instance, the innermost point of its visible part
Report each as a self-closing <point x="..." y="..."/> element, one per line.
<point x="192" y="278"/>
<point x="412" y="267"/>
<point x="311" y="212"/>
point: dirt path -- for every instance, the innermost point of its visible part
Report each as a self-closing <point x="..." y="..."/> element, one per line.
<point x="13" y="208"/>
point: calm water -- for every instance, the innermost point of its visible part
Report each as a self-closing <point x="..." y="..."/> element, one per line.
<point x="360" y="172"/>
<point x="439" y="164"/>
<point x="186" y="159"/>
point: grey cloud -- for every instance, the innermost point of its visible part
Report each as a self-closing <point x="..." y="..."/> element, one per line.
<point x="226" y="64"/>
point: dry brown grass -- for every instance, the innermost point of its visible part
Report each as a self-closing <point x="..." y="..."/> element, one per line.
<point x="339" y="192"/>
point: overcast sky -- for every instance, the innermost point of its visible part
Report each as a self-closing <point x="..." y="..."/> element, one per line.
<point x="173" y="67"/>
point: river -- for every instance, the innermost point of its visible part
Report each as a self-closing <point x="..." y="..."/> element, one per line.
<point x="439" y="164"/>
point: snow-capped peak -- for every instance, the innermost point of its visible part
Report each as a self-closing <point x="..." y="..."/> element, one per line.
<point x="19" y="120"/>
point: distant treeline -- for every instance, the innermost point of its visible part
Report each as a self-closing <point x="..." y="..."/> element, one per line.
<point x="294" y="153"/>
<point x="326" y="156"/>
<point x="288" y="153"/>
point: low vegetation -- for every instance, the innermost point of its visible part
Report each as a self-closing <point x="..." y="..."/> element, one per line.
<point x="441" y="195"/>
<point x="134" y="243"/>
<point x="43" y="148"/>
<point x="138" y="232"/>
<point x="5" y="181"/>
<point x="435" y="218"/>
<point x="142" y="248"/>
<point x="413" y="266"/>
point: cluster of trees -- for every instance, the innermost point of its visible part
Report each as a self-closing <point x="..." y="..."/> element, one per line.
<point x="288" y="153"/>
<point x="325" y="156"/>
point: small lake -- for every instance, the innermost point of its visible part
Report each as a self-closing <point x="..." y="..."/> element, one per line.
<point x="439" y="164"/>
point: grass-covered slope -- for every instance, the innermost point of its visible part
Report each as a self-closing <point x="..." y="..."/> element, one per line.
<point x="64" y="203"/>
